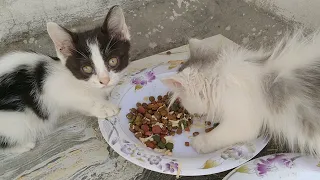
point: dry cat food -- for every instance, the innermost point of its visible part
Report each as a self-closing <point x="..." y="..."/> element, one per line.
<point x="155" y="125"/>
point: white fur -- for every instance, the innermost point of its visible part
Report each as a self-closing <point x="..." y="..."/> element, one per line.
<point x="229" y="90"/>
<point x="62" y="93"/>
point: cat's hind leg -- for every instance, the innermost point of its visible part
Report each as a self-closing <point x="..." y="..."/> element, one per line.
<point x="18" y="132"/>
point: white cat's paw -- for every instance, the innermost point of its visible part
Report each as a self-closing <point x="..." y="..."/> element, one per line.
<point x="105" y="110"/>
<point x="19" y="149"/>
<point x="203" y="144"/>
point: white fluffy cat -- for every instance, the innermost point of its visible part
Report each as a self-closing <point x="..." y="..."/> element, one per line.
<point x="250" y="91"/>
<point x="36" y="89"/>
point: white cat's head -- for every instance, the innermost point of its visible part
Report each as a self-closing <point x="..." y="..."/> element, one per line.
<point x="97" y="56"/>
<point x="191" y="83"/>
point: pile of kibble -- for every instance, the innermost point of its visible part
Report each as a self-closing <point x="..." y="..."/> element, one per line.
<point x="152" y="122"/>
<point x="154" y="119"/>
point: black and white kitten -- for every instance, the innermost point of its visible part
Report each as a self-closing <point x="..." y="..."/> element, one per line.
<point x="36" y="89"/>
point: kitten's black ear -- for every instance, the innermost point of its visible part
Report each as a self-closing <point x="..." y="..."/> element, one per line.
<point x="62" y="40"/>
<point x="115" y="24"/>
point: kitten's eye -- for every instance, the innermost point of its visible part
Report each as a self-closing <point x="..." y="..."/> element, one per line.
<point x="87" y="69"/>
<point x="113" y="62"/>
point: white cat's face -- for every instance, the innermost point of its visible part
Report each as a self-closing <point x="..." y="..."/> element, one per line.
<point x="187" y="87"/>
<point x="191" y="84"/>
<point x="97" y="57"/>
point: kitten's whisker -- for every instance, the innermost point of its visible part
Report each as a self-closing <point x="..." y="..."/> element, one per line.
<point x="111" y="51"/>
<point x="80" y="53"/>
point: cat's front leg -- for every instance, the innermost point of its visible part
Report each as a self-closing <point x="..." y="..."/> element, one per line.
<point x="222" y="136"/>
<point x="104" y="109"/>
<point x="241" y="122"/>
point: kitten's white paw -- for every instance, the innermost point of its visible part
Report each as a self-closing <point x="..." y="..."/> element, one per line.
<point x="19" y="149"/>
<point x="203" y="144"/>
<point x="105" y="110"/>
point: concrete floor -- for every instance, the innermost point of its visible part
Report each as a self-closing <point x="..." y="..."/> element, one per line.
<point x="159" y="25"/>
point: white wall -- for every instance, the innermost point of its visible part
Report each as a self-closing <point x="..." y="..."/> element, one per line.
<point x="306" y="12"/>
<point x="19" y="17"/>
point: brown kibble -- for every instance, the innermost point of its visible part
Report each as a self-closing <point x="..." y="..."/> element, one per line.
<point x="148" y="133"/>
<point x="138" y="104"/>
<point x="163" y="140"/>
<point x="191" y="121"/>
<point x="147" y="115"/>
<point x="156" y="129"/>
<point x="138" y="135"/>
<point x="157" y="115"/>
<point x="171" y="117"/>
<point x="141" y="110"/>
<point x="145" y="105"/>
<point x="164" y="113"/>
<point x="172" y="133"/>
<point x="164" y="121"/>
<point x="160" y="104"/>
<point x="151" y="99"/>
<point x="208" y="123"/>
<point x="153" y="121"/>
<point x="195" y="134"/>
<point x="142" y="131"/>
<point x="168" y="52"/>
<point x="209" y="129"/>
<point x="187" y="129"/>
<point x="133" y="110"/>
<point x="132" y="130"/>
<point x="137" y="128"/>
<point x="187" y="144"/>
<point x="159" y="98"/>
<point x="154" y="142"/>
<point x="150" y="106"/>
<point x="150" y="112"/>
<point x="144" y="121"/>
<point x="179" y="131"/>
<point x="150" y="144"/>
<point x="145" y="128"/>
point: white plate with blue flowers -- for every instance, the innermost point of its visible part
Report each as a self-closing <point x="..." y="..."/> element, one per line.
<point x="140" y="83"/>
<point x="278" y="167"/>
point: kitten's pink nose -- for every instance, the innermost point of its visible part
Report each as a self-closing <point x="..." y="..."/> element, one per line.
<point x="104" y="80"/>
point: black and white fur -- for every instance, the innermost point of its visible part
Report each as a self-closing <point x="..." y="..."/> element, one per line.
<point x="249" y="91"/>
<point x="36" y="89"/>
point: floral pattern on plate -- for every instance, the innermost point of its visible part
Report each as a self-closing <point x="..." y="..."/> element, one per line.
<point x="276" y="166"/>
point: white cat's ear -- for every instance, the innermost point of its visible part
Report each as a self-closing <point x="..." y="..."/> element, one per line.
<point x="61" y="38"/>
<point x="171" y="83"/>
<point x="115" y="24"/>
<point x="194" y="45"/>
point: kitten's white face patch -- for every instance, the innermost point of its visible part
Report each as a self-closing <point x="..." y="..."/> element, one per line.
<point x="102" y="74"/>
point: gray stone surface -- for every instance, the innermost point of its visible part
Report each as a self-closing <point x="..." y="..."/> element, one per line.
<point x="156" y="26"/>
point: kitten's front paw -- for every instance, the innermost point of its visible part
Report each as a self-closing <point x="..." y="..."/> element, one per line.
<point x="203" y="144"/>
<point x="19" y="149"/>
<point x="105" y="110"/>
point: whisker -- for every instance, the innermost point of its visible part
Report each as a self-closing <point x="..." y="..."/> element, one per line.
<point x="82" y="54"/>
<point x="111" y="51"/>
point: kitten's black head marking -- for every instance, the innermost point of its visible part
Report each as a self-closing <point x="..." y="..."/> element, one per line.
<point x="112" y="38"/>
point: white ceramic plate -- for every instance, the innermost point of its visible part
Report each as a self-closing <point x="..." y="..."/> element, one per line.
<point x="278" y="167"/>
<point x="135" y="87"/>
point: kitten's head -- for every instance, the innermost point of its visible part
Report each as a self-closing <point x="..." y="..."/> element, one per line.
<point x="97" y="56"/>
<point x="190" y="84"/>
